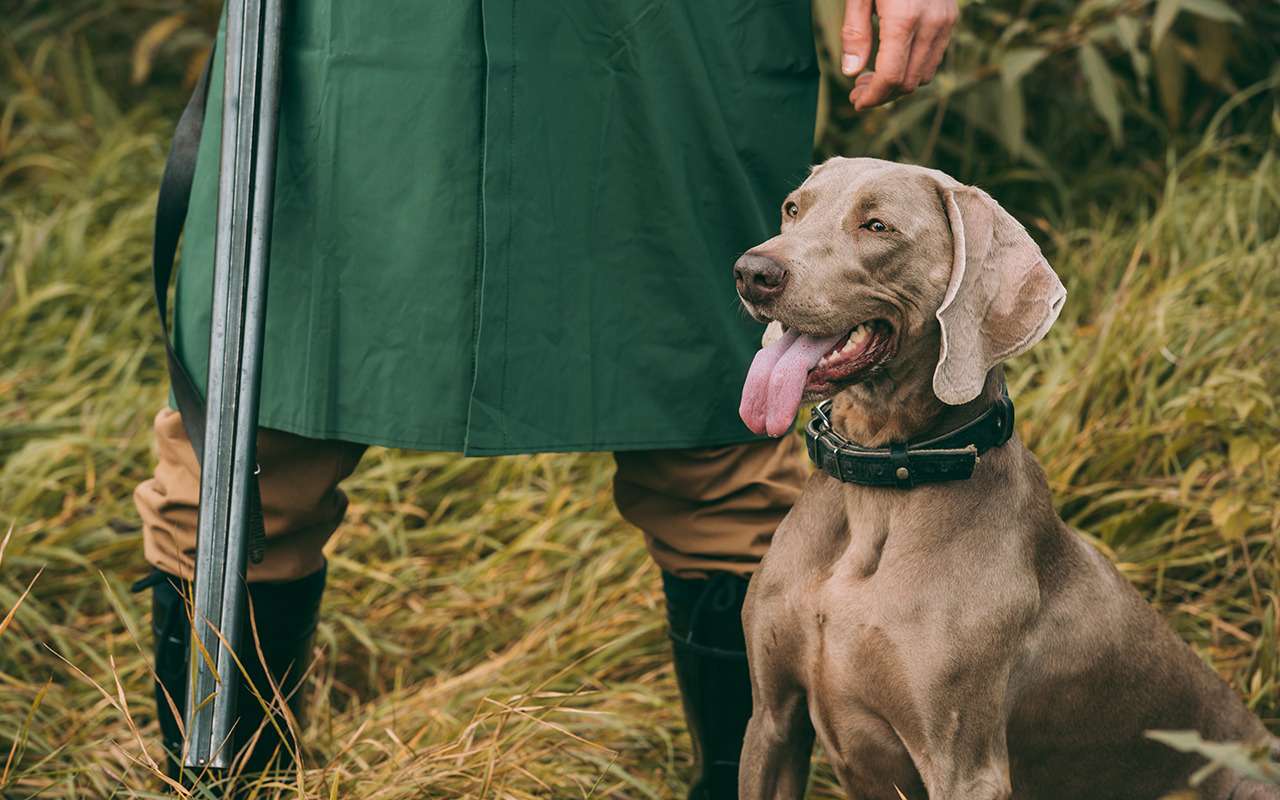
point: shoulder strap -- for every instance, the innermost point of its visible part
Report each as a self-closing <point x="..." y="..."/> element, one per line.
<point x="171" y="213"/>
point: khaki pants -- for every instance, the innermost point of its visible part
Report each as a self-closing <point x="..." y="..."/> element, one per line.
<point x="701" y="510"/>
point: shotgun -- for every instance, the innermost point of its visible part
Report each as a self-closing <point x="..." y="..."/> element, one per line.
<point x="223" y="430"/>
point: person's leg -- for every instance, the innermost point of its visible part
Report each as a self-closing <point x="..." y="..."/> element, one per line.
<point x="708" y="516"/>
<point x="302" y="506"/>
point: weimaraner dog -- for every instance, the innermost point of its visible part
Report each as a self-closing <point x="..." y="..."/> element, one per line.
<point x="943" y="634"/>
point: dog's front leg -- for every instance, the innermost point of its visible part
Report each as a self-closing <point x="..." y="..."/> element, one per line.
<point x="968" y="758"/>
<point x="776" y="751"/>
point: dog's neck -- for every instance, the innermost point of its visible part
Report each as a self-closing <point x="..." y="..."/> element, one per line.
<point x="878" y="412"/>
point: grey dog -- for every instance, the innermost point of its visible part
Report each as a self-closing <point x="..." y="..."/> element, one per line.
<point x="954" y="640"/>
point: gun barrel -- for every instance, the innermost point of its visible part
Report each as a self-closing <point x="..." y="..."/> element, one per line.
<point x="250" y="111"/>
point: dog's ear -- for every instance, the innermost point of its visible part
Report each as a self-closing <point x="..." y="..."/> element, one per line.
<point x="1001" y="299"/>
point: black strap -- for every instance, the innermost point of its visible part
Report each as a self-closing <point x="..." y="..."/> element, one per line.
<point x="949" y="457"/>
<point x="171" y="214"/>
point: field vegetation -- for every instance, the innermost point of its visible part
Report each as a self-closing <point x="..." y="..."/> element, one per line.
<point x="492" y="628"/>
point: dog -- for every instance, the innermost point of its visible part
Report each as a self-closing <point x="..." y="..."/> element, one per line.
<point x="922" y="611"/>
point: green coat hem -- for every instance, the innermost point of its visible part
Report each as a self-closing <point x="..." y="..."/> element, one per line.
<point x="377" y="440"/>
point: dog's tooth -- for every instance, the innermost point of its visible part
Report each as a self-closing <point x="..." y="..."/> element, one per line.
<point x="856" y="338"/>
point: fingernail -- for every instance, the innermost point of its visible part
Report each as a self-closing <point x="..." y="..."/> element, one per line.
<point x="849" y="64"/>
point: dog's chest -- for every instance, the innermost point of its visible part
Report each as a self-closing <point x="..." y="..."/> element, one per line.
<point x="842" y="609"/>
<point x="833" y="599"/>
<point x="840" y="629"/>
<point x="838" y="649"/>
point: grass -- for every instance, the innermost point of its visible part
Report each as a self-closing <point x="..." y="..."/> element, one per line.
<point x="493" y="629"/>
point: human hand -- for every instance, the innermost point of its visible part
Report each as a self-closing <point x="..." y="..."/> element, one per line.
<point x="913" y="38"/>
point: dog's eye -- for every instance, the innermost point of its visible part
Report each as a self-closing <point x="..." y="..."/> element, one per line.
<point x="791" y="209"/>
<point x="875" y="226"/>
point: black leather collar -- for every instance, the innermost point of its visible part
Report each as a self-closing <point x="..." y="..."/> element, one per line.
<point x="949" y="457"/>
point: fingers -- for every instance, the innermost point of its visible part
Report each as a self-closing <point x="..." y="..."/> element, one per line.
<point x="896" y="35"/>
<point x="860" y="88"/>
<point x="931" y="43"/>
<point x="855" y="36"/>
<point x="922" y="66"/>
<point x="913" y="39"/>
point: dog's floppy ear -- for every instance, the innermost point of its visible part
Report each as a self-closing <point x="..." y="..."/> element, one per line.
<point x="1001" y="299"/>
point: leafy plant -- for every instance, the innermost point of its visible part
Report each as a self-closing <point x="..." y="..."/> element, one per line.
<point x="1251" y="763"/>
<point x="1051" y="103"/>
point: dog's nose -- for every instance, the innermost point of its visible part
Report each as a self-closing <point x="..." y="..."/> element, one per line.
<point x="759" y="278"/>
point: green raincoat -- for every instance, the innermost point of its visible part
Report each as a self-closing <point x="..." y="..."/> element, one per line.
<point x="509" y="225"/>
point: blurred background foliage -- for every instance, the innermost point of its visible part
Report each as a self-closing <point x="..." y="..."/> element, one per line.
<point x="492" y="628"/>
<point x="1054" y="104"/>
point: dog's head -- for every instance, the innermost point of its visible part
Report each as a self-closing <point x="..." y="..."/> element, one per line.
<point x="885" y="271"/>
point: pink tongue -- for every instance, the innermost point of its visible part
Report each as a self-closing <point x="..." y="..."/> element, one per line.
<point x="775" y="383"/>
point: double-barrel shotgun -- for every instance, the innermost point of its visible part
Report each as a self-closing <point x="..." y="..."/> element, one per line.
<point x="223" y="429"/>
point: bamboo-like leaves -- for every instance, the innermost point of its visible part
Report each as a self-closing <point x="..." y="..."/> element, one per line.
<point x="1102" y="90"/>
<point x="1167" y="11"/>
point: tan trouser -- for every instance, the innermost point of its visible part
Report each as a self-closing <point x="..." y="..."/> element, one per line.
<point x="700" y="510"/>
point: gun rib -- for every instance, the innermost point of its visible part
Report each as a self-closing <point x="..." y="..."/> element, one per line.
<point x="250" y="112"/>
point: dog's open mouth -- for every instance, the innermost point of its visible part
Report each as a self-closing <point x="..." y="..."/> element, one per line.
<point x="799" y="367"/>
<point x="851" y="360"/>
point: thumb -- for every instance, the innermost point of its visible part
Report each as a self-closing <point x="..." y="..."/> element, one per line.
<point x="855" y="36"/>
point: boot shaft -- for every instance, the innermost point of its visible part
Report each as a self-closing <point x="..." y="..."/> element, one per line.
<point x="275" y="655"/>
<point x="709" y="650"/>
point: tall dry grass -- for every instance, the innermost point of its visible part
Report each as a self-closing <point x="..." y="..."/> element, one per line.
<point x="492" y="628"/>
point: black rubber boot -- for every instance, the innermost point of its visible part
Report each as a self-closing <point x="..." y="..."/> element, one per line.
<point x="711" y="667"/>
<point x="171" y="631"/>
<point x="285" y="617"/>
